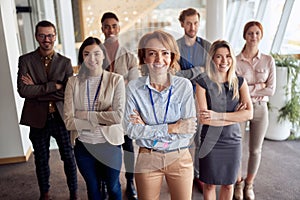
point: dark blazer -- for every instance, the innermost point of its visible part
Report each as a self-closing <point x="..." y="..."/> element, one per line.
<point x="37" y="96"/>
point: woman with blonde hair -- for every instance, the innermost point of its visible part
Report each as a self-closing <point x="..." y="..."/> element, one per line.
<point x="259" y="71"/>
<point x="160" y="115"/>
<point x="223" y="101"/>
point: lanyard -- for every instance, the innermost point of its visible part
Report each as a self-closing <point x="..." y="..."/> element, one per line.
<point x="167" y="107"/>
<point x="96" y="95"/>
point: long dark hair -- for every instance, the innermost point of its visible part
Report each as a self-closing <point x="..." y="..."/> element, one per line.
<point x="84" y="72"/>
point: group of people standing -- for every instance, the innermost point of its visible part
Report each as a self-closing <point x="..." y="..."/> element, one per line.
<point x="194" y="94"/>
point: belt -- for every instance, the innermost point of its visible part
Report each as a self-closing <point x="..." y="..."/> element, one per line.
<point x="149" y="150"/>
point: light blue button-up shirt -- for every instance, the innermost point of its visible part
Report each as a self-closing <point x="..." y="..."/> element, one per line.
<point x="181" y="106"/>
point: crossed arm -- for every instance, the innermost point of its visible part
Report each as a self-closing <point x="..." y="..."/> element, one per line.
<point x="243" y="112"/>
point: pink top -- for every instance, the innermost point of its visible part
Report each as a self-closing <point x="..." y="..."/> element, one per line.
<point x="261" y="70"/>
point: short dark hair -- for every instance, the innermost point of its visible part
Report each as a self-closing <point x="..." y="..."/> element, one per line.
<point x="188" y="12"/>
<point x="44" y="23"/>
<point x="108" y="15"/>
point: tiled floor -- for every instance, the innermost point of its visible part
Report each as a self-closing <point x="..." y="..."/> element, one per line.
<point x="278" y="177"/>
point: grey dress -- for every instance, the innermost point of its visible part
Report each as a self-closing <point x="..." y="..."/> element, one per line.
<point x="220" y="150"/>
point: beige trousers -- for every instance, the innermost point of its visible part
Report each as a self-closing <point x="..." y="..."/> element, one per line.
<point x="257" y="131"/>
<point x="152" y="167"/>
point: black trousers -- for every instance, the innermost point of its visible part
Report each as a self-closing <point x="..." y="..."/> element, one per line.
<point x="128" y="158"/>
<point x="40" y="138"/>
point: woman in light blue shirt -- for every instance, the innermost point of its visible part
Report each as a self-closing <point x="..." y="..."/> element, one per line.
<point x="160" y="115"/>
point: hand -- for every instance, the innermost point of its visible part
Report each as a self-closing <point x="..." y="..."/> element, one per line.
<point x="27" y="80"/>
<point x="184" y="126"/>
<point x="202" y="69"/>
<point x="58" y="86"/>
<point x="210" y="115"/>
<point x="110" y="109"/>
<point x="258" y="98"/>
<point x="263" y="85"/>
<point x="81" y="114"/>
<point x="241" y="106"/>
<point x="136" y="118"/>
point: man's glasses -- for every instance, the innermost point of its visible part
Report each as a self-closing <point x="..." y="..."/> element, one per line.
<point x="43" y="36"/>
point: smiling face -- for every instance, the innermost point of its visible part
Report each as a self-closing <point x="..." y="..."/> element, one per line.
<point x="253" y="36"/>
<point x="46" y="37"/>
<point x="93" y="59"/>
<point x="110" y="28"/>
<point x="222" y="60"/>
<point x="157" y="57"/>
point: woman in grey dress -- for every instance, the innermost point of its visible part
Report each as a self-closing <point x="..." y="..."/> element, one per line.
<point x="223" y="101"/>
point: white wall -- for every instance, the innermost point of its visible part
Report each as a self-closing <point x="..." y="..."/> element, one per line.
<point x="14" y="140"/>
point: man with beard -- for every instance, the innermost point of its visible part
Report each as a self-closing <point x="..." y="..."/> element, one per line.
<point x="42" y="77"/>
<point x="124" y="63"/>
<point x="193" y="53"/>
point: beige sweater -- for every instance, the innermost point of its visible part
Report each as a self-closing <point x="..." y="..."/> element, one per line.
<point x="111" y="95"/>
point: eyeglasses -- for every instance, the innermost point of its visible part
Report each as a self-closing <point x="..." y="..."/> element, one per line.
<point x="43" y="36"/>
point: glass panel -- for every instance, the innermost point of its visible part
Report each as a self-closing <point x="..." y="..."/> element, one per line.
<point x="270" y="23"/>
<point x="25" y="31"/>
<point x="25" y="27"/>
<point x="239" y="13"/>
<point x="291" y="40"/>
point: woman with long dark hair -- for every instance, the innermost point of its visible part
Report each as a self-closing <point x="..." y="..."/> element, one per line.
<point x="94" y="108"/>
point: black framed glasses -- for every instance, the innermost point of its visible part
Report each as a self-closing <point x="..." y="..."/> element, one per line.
<point x="43" y="36"/>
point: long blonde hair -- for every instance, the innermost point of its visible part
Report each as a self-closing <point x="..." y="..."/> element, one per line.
<point x="212" y="70"/>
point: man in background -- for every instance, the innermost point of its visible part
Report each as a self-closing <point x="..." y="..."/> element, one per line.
<point x="193" y="53"/>
<point x="125" y="63"/>
<point x="42" y="77"/>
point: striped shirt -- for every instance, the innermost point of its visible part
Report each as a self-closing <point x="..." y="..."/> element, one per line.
<point x="88" y="136"/>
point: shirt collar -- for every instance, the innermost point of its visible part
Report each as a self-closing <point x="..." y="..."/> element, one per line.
<point x="147" y="82"/>
<point x="198" y="40"/>
<point x="49" y="56"/>
<point x="258" y="56"/>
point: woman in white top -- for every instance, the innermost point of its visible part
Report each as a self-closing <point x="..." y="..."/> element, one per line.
<point x="94" y="108"/>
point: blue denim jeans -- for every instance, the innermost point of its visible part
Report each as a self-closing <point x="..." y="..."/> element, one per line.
<point x="100" y="162"/>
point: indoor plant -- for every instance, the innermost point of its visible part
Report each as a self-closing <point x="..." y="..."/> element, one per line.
<point x="290" y="110"/>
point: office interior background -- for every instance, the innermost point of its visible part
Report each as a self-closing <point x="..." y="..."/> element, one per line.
<point x="77" y="19"/>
